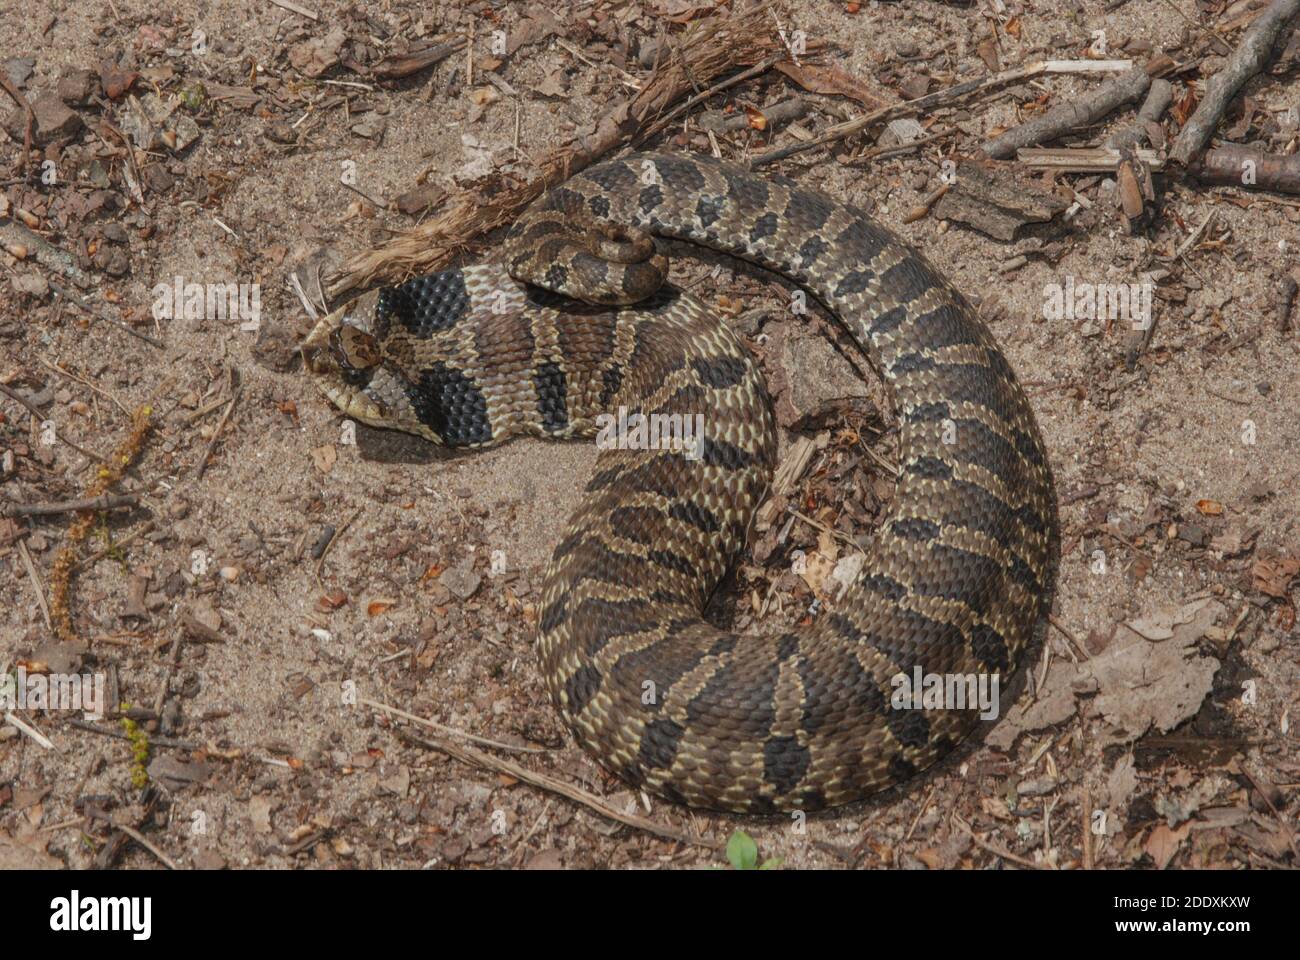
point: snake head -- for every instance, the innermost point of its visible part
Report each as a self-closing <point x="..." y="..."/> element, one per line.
<point x="343" y="358"/>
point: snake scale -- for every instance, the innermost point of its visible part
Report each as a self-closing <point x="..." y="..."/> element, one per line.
<point x="955" y="579"/>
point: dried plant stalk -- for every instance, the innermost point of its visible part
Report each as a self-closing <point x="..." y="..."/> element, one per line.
<point x="710" y="48"/>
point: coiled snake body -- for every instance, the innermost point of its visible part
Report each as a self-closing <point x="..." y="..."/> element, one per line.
<point x="954" y="581"/>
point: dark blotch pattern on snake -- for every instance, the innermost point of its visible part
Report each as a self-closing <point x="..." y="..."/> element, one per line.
<point x="954" y="582"/>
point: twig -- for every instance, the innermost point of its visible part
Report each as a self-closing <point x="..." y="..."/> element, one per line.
<point x="1282" y="821"/>
<point x="850" y="127"/>
<point x="294" y="8"/>
<point x="1065" y="117"/>
<point x="13" y="91"/>
<point x="133" y="833"/>
<point x="13" y="719"/>
<point x="320" y="561"/>
<point x="77" y="378"/>
<point x="154" y="739"/>
<point x="544" y="782"/>
<point x="1159" y="96"/>
<point x="216" y="434"/>
<point x="925" y="805"/>
<point x="998" y="851"/>
<point x="1256" y="49"/>
<point x="448" y="731"/>
<point x="107" y="502"/>
<point x="80" y="304"/>
<point x="36" y="584"/>
<point x="1238" y="166"/>
<point x="1086" y="813"/>
<point x="667" y="119"/>
<point x="101" y="554"/>
<point x="20" y="399"/>
<point x="711" y="47"/>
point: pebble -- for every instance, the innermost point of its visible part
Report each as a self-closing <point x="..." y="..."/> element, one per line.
<point x="461" y="581"/>
<point x="230" y="574"/>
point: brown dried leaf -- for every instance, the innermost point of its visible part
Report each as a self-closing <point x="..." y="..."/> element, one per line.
<point x="1163" y="843"/>
<point x="829" y="80"/>
<point x="1273" y="576"/>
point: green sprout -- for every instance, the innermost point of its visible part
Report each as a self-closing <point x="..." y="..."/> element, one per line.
<point x="742" y="851"/>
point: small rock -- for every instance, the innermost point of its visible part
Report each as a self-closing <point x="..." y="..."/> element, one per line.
<point x="420" y="199"/>
<point x="31" y="284"/>
<point x="52" y="121"/>
<point x="76" y="87"/>
<point x="19" y="69"/>
<point x="209" y="860"/>
<point x="462" y="581"/>
<point x="371" y="128"/>
<point x="814" y="383"/>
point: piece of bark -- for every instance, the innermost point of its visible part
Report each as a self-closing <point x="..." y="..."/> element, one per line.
<point x="997" y="207"/>
<point x="1286" y="300"/>
<point x="396" y="66"/>
<point x="1065" y="117"/>
<point x="1255" y="51"/>
<point x="1081" y="160"/>
<point x="1239" y="166"/>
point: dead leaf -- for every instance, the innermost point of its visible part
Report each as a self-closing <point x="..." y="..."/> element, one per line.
<point x="325" y="457"/>
<point x="1273" y="575"/>
<point x="314" y="57"/>
<point x="1163" y="843"/>
<point x="26" y="854"/>
<point x="829" y="80"/>
<point x="259" y="811"/>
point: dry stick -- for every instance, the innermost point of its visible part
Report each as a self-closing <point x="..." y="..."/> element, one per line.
<point x="154" y="740"/>
<point x="1064" y="117"/>
<point x="101" y="554"/>
<point x="19" y="399"/>
<point x="669" y="118"/>
<point x="544" y="782"/>
<point x="1282" y="820"/>
<point x="1086" y="810"/>
<point x="1238" y="166"/>
<point x="216" y="434"/>
<point x="320" y="561"/>
<point x="107" y="502"/>
<point x="294" y="8"/>
<point x="1256" y="50"/>
<point x="134" y="834"/>
<point x="710" y="49"/>
<point x="14" y="720"/>
<point x="1153" y="108"/>
<point x="36" y="584"/>
<point x="998" y="851"/>
<point x="919" y="105"/>
<point x="80" y="304"/>
<point x="448" y="731"/>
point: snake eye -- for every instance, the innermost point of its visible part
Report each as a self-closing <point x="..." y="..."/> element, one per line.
<point x="356" y="353"/>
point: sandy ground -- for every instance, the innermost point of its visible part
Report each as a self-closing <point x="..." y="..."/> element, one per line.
<point x="1176" y="476"/>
